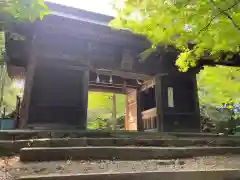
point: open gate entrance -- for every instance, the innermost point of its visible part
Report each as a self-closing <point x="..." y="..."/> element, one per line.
<point x="148" y="106"/>
<point x="141" y="112"/>
<point x="131" y="110"/>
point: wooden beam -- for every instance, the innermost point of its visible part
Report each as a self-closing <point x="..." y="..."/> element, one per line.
<point x="149" y="113"/>
<point x="114" y="85"/>
<point x="123" y="74"/>
<point x="55" y="25"/>
<point x="54" y="58"/>
<point x="147" y="84"/>
<point x="106" y="90"/>
<point x="102" y="88"/>
<point x="67" y="67"/>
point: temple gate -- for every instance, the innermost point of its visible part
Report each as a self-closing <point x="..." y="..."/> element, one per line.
<point x="63" y="57"/>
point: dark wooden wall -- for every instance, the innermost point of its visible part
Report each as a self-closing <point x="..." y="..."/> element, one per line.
<point x="59" y="96"/>
<point x="184" y="115"/>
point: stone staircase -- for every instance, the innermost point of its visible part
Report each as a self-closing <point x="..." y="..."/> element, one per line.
<point x="155" y="155"/>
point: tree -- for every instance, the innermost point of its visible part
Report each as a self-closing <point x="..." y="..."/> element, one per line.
<point x="212" y="26"/>
<point x="100" y="109"/>
<point x="208" y="24"/>
<point x="11" y="10"/>
<point x="15" y="11"/>
<point x="219" y="85"/>
<point x="9" y="91"/>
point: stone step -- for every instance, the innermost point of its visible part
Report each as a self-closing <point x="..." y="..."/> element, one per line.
<point x="16" y="145"/>
<point x="23" y="134"/>
<point x="163" y="175"/>
<point x="33" y="134"/>
<point x="120" y="153"/>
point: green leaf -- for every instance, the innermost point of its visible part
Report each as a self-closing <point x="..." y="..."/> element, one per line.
<point x="44" y="13"/>
<point x="42" y="4"/>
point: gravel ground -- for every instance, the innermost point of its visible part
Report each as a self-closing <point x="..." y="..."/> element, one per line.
<point x="14" y="168"/>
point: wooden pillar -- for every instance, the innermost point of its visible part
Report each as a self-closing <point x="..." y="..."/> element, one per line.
<point x="131" y="117"/>
<point x="83" y="121"/>
<point x="29" y="78"/>
<point x="159" y="102"/>
<point x="197" y="108"/>
<point x="126" y="118"/>
<point x="140" y="126"/>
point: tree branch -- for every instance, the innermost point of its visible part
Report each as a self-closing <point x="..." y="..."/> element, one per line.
<point x="207" y="26"/>
<point x="236" y="3"/>
<point x="223" y="12"/>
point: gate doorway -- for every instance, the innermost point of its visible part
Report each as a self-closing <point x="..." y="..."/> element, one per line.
<point x="106" y="111"/>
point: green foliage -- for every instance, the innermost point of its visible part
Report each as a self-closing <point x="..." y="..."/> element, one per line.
<point x="101" y="103"/>
<point x="12" y="12"/>
<point x="101" y="123"/>
<point x="100" y="109"/>
<point x="218" y="120"/>
<point x="214" y="114"/>
<point x="212" y="25"/>
<point x="2" y="47"/>
<point x="10" y="91"/>
<point x="22" y="10"/>
<point x="15" y="11"/>
<point x="219" y="85"/>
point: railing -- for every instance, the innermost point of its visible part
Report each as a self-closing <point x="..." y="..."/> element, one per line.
<point x="149" y="119"/>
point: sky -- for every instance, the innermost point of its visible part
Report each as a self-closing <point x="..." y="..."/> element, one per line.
<point x="98" y="6"/>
